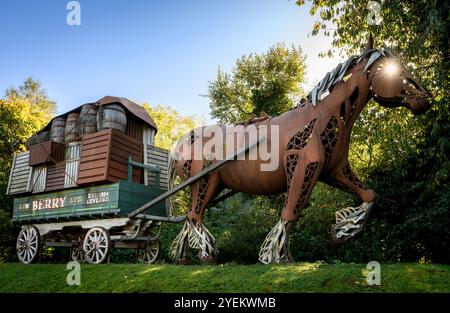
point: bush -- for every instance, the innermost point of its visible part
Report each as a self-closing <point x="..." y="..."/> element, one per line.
<point x="240" y="225"/>
<point x="7" y="238"/>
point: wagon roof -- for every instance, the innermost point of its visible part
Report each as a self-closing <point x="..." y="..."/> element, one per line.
<point x="134" y="108"/>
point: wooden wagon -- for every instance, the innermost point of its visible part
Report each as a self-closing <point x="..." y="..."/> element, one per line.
<point x="83" y="175"/>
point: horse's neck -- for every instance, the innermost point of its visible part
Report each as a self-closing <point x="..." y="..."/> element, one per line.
<point x="355" y="103"/>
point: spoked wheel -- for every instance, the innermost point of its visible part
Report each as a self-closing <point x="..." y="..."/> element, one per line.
<point x="150" y="253"/>
<point x="28" y="244"/>
<point x="77" y="253"/>
<point x="154" y="230"/>
<point x="96" y="245"/>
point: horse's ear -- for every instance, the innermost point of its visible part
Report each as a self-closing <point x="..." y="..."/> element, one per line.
<point x="369" y="44"/>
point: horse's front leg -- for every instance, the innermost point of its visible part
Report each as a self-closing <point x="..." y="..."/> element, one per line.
<point x="350" y="221"/>
<point x="302" y="175"/>
<point x="194" y="234"/>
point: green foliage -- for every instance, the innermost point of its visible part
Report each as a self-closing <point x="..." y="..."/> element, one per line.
<point x="268" y="83"/>
<point x="171" y="124"/>
<point x="32" y="91"/>
<point x="240" y="225"/>
<point x="23" y="112"/>
<point x="310" y="239"/>
<point x="7" y="239"/>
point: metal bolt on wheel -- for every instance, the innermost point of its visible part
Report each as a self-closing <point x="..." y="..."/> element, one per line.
<point x="96" y="245"/>
<point x="28" y="244"/>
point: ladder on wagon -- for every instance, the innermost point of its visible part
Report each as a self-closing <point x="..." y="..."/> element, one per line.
<point x="139" y="212"/>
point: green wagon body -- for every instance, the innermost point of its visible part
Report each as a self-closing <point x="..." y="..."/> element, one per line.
<point x="115" y="199"/>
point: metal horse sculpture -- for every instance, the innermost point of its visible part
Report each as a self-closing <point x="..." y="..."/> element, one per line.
<point x="313" y="145"/>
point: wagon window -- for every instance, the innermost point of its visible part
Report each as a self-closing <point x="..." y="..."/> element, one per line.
<point x="38" y="180"/>
<point x="72" y="157"/>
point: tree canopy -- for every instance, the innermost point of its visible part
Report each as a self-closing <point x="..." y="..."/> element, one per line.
<point x="259" y="83"/>
<point x="32" y="92"/>
<point x="171" y="124"/>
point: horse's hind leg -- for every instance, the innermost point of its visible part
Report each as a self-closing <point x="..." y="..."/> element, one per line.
<point x="194" y="234"/>
<point x="302" y="176"/>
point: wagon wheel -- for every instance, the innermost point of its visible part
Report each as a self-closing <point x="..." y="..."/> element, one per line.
<point x="96" y="245"/>
<point x="150" y="253"/>
<point x="28" y="244"/>
<point x="77" y="253"/>
<point x="154" y="230"/>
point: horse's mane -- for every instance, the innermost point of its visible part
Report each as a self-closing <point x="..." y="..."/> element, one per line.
<point x="338" y="73"/>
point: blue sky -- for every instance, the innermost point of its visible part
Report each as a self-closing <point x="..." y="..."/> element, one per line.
<point x="160" y="52"/>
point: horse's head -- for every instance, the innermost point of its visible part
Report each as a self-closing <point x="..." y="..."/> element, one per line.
<point x="392" y="85"/>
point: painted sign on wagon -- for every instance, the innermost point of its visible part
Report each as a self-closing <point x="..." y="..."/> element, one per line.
<point x="109" y="200"/>
<point x="81" y="201"/>
<point x="61" y="202"/>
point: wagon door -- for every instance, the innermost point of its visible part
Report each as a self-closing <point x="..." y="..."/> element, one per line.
<point x="72" y="157"/>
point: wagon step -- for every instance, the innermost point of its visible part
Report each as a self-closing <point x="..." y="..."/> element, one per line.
<point x="194" y="178"/>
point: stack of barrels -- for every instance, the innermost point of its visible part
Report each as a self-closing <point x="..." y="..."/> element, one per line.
<point x="90" y="120"/>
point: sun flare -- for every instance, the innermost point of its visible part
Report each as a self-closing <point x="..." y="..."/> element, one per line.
<point x="391" y="68"/>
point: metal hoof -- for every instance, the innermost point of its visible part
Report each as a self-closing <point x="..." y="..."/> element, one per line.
<point x="350" y="222"/>
<point x="275" y="248"/>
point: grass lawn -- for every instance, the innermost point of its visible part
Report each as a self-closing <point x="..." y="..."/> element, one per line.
<point x="298" y="277"/>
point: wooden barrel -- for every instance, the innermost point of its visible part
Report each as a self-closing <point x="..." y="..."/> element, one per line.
<point x="57" y="130"/>
<point x="72" y="127"/>
<point x="88" y="119"/>
<point x="112" y="116"/>
<point x="38" y="138"/>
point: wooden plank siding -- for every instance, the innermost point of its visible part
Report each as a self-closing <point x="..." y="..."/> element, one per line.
<point x="122" y="147"/>
<point x="134" y="128"/>
<point x="158" y="156"/>
<point x="55" y="176"/>
<point x="46" y="152"/>
<point x="20" y="174"/>
<point x="94" y="156"/>
<point x="104" y="157"/>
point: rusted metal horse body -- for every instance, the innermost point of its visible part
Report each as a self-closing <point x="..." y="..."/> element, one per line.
<point x="313" y="144"/>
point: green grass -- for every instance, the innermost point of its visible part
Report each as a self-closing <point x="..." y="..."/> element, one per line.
<point x="298" y="277"/>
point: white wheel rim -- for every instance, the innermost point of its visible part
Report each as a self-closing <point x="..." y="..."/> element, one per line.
<point x="27" y="245"/>
<point x="150" y="253"/>
<point x="96" y="246"/>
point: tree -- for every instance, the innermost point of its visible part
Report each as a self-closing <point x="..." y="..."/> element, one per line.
<point x="268" y="82"/>
<point x="32" y="91"/>
<point x="171" y="124"/>
<point x="23" y="112"/>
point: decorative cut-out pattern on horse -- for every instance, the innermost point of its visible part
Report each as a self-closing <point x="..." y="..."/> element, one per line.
<point x="313" y="144"/>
